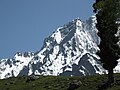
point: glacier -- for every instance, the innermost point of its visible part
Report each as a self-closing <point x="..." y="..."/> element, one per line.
<point x="68" y="51"/>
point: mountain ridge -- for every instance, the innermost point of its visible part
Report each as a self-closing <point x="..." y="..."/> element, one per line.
<point x="69" y="51"/>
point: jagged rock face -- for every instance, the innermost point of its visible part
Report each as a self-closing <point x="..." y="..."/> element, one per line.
<point x="12" y="67"/>
<point x="69" y="51"/>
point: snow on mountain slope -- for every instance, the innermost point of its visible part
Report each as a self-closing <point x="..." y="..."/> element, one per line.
<point x="12" y="67"/>
<point x="70" y="50"/>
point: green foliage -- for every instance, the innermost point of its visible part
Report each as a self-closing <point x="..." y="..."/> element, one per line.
<point x="57" y="83"/>
<point x="107" y="14"/>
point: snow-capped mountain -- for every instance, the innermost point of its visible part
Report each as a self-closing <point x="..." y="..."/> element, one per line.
<point x="70" y="50"/>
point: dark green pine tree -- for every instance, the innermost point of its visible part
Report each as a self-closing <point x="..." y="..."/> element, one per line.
<point x="107" y="12"/>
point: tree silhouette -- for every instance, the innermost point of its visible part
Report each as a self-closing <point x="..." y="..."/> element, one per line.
<point x="107" y="12"/>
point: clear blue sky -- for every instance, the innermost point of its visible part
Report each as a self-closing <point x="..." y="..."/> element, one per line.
<point x="25" y="23"/>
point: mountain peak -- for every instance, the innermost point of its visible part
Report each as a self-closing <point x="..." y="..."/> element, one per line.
<point x="75" y="22"/>
<point x="69" y="51"/>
